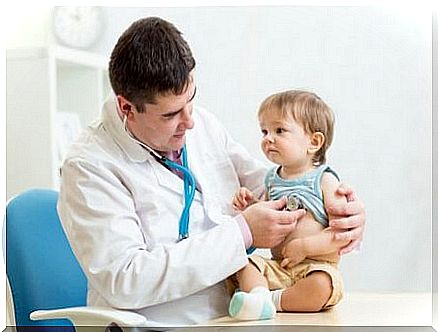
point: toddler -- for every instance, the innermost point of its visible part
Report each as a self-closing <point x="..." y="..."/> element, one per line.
<point x="302" y="276"/>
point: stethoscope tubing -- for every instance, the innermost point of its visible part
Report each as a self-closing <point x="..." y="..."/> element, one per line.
<point x="189" y="193"/>
<point x="189" y="180"/>
<point x="189" y="184"/>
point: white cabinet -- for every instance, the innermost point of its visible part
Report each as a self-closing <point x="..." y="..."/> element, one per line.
<point x="50" y="92"/>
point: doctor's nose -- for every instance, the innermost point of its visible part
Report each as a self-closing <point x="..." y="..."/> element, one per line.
<point x="187" y="118"/>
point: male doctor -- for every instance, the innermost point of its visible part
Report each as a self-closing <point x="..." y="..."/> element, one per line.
<point x="121" y="204"/>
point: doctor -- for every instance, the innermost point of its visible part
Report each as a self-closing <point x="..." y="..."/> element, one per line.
<point x="121" y="198"/>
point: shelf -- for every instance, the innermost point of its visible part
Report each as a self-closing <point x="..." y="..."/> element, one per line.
<point x="41" y="83"/>
<point x="78" y="57"/>
<point x="66" y="56"/>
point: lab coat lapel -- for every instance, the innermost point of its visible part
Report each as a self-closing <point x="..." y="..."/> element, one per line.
<point x="195" y="165"/>
<point x="166" y="178"/>
<point x="169" y="180"/>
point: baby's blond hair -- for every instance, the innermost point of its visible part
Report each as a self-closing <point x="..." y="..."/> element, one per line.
<point x="307" y="109"/>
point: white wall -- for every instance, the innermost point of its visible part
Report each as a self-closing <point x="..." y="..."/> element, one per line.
<point x="373" y="66"/>
<point x="26" y="25"/>
<point x="435" y="176"/>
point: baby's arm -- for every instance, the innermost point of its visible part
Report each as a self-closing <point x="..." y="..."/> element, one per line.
<point x="243" y="198"/>
<point x="276" y="252"/>
<point x="321" y="243"/>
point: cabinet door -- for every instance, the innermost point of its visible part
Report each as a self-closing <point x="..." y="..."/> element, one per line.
<point x="81" y="90"/>
<point x="51" y="95"/>
<point x="29" y="128"/>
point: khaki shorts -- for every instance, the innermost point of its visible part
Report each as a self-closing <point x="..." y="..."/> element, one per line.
<point x="281" y="278"/>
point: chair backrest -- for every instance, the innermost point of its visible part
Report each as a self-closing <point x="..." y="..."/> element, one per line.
<point x="40" y="265"/>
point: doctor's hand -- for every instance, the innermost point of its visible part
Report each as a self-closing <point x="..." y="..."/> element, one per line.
<point x="268" y="224"/>
<point x="349" y="218"/>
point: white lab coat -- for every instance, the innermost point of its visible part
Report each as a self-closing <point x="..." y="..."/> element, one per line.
<point x="120" y="210"/>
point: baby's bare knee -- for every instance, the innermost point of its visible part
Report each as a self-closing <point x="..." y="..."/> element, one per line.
<point x="322" y="290"/>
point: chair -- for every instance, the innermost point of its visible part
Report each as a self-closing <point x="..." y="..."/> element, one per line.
<point x="43" y="272"/>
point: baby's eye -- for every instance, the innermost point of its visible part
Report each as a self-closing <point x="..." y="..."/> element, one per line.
<point x="264" y="132"/>
<point x="280" y="130"/>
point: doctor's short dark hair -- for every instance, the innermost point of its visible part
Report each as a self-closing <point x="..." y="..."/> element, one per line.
<point x="307" y="109"/>
<point x="151" y="58"/>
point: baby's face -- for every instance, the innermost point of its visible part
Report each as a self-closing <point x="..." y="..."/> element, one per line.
<point x="284" y="141"/>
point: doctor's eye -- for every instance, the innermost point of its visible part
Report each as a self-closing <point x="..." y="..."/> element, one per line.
<point x="170" y="116"/>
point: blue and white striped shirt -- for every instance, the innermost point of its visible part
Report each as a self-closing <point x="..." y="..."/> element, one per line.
<point x="307" y="188"/>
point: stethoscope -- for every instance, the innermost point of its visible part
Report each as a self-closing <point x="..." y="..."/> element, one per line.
<point x="189" y="180"/>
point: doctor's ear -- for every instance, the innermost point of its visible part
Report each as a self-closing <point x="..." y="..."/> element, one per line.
<point x="317" y="140"/>
<point x="125" y="107"/>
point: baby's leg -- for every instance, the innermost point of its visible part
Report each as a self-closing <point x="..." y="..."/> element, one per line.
<point x="254" y="301"/>
<point x="309" y="294"/>
<point x="250" y="277"/>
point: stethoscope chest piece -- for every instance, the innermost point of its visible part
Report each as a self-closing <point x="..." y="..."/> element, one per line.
<point x="294" y="203"/>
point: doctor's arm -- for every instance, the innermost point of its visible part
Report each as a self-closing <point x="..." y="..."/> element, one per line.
<point x="108" y="238"/>
<point x="269" y="224"/>
<point x="250" y="171"/>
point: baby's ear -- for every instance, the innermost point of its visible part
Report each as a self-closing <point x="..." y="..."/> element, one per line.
<point x="317" y="140"/>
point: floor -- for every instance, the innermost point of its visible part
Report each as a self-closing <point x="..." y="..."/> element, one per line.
<point x="358" y="309"/>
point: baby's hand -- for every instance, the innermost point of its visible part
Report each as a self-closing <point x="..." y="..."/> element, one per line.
<point x="243" y="198"/>
<point x="293" y="253"/>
